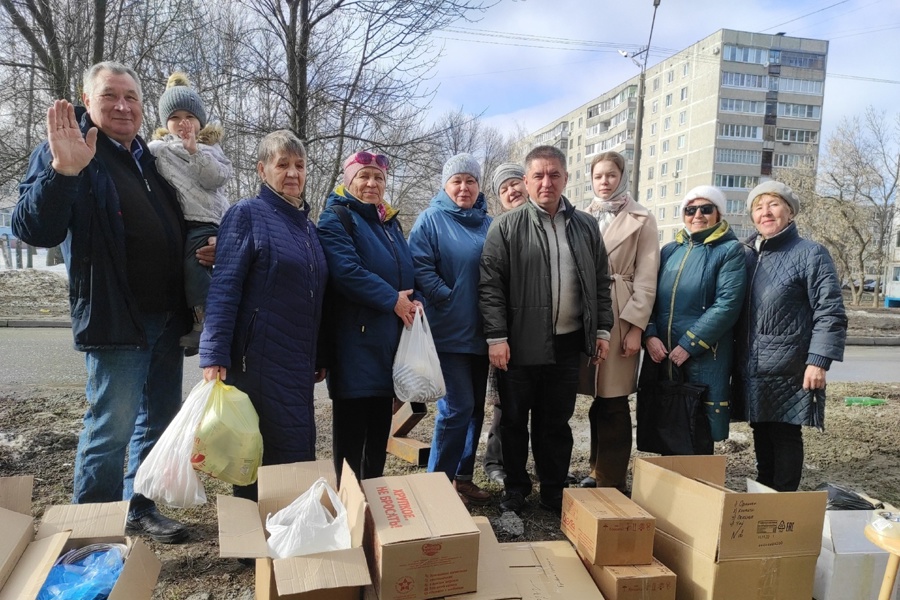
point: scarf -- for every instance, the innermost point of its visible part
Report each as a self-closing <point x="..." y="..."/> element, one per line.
<point x="606" y="210"/>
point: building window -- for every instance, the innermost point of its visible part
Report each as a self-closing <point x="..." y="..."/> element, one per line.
<point x="739" y="182"/>
<point x="662" y="209"/>
<point x="665" y="146"/>
<point x="750" y="107"/>
<point x="670" y="76"/>
<point x="664" y="169"/>
<point x="667" y="123"/>
<point x="803" y="136"/>
<point x="682" y="117"/>
<point x="677" y="193"/>
<point x="580" y="122"/>
<point x="649" y="172"/>
<point x="655" y="83"/>
<point x="668" y="99"/>
<point x="801" y="86"/>
<point x="802" y="60"/>
<point x="684" y="94"/>
<point x="649" y="193"/>
<point x="662" y="194"/>
<point x="793" y="161"/>
<point x="652" y="150"/>
<point x="744" y="132"/>
<point x="799" y="111"/>
<point x="654" y="106"/>
<point x="685" y="69"/>
<point x="659" y="235"/>
<point x="757" y="56"/>
<point x="652" y="128"/>
<point x="740" y="157"/>
<point x="681" y="140"/>
<point x="745" y="80"/>
<point x="896" y="276"/>
<point x="679" y="165"/>
<point x="735" y="207"/>
<point x="578" y="175"/>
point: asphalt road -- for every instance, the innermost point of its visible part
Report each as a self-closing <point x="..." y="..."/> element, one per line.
<point x="44" y="356"/>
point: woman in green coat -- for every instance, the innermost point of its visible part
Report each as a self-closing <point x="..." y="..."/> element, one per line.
<point x="699" y="293"/>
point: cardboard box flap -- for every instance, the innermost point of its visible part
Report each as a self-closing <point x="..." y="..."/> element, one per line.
<point x="323" y="571"/>
<point x="15" y="493"/>
<point x="846" y="532"/>
<point x="354" y="501"/>
<point x="241" y="533"/>
<point x="97" y="522"/>
<point x="494" y="579"/>
<point x="279" y="485"/>
<point x="139" y="575"/>
<point x="417" y="507"/>
<point x="556" y="572"/>
<point x="28" y="576"/>
<point x="18" y="531"/>
<point x="707" y="468"/>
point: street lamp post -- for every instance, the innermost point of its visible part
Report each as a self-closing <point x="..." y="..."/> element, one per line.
<point x="639" y="116"/>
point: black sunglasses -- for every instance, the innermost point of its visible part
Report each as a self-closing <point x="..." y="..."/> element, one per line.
<point x="705" y="209"/>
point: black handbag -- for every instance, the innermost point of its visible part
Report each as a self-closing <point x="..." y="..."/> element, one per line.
<point x="671" y="413"/>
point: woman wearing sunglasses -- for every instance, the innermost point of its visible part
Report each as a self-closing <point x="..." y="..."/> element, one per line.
<point x="698" y="300"/>
<point x="372" y="277"/>
<point x="632" y="242"/>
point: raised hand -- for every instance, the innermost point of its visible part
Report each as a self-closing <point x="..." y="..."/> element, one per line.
<point x="71" y="151"/>
<point x="187" y="135"/>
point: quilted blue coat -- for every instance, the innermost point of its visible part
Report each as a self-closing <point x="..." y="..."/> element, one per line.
<point x="793" y="316"/>
<point x="699" y="294"/>
<point x="369" y="265"/>
<point x="262" y="318"/>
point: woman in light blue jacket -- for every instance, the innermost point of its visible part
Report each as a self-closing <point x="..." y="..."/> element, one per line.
<point x="446" y="243"/>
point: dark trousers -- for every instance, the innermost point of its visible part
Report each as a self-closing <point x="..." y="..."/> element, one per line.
<point x="610" y="421"/>
<point x="361" y="427"/>
<point x="779" y="455"/>
<point x="547" y="394"/>
<point x="493" y="448"/>
<point x="196" y="276"/>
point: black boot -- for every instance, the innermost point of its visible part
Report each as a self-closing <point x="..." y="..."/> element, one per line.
<point x="191" y="341"/>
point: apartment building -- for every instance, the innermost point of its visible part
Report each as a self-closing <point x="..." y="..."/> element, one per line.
<point x="725" y="111"/>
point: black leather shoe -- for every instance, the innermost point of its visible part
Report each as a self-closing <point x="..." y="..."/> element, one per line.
<point x="588" y="482"/>
<point x="512" y="501"/>
<point x="552" y="504"/>
<point x="158" y="526"/>
<point x="571" y="479"/>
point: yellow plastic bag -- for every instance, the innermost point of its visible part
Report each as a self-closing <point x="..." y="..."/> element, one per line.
<point x="227" y="443"/>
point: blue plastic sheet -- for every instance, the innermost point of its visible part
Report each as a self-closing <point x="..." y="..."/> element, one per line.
<point x="89" y="578"/>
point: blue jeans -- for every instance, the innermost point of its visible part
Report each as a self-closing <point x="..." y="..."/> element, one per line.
<point x="132" y="396"/>
<point x="460" y="414"/>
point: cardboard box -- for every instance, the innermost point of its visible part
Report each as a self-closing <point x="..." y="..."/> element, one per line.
<point x="687" y="497"/>
<point x="549" y="570"/>
<point x="701" y="577"/>
<point x="424" y="543"/>
<point x="637" y="582"/>
<point x="337" y="575"/>
<point x="494" y="580"/>
<point x="850" y="567"/>
<point x="26" y="558"/>
<point x="606" y="527"/>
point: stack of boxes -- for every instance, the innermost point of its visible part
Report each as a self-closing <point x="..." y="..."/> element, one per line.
<point x="726" y="545"/>
<point x="614" y="538"/>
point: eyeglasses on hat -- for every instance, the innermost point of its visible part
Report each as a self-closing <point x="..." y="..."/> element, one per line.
<point x="367" y="158"/>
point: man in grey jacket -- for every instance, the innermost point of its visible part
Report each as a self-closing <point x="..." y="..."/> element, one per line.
<point x="544" y="295"/>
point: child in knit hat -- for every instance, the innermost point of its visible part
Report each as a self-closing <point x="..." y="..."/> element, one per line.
<point x="188" y="155"/>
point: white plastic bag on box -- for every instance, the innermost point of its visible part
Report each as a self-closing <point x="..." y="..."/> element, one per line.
<point x="166" y="475"/>
<point x="306" y="526"/>
<point x="417" y="369"/>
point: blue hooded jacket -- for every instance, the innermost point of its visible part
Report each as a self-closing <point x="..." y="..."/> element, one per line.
<point x="368" y="266"/>
<point x="446" y="243"/>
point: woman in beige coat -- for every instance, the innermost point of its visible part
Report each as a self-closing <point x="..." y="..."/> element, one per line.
<point x="632" y="242"/>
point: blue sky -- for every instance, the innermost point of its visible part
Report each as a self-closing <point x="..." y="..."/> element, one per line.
<point x="527" y="62"/>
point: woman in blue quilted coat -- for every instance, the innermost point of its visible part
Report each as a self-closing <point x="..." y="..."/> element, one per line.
<point x="699" y="293"/>
<point x="792" y="327"/>
<point x="265" y="304"/>
<point x="372" y="278"/>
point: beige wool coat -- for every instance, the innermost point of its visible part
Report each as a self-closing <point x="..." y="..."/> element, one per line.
<point x="632" y="243"/>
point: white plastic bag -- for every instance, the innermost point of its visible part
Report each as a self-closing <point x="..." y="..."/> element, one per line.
<point x="306" y="526"/>
<point x="417" y="369"/>
<point x="166" y="475"/>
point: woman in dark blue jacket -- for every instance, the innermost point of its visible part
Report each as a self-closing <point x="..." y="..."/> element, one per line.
<point x="792" y="327"/>
<point x="699" y="293"/>
<point x="265" y="304"/>
<point x="446" y="244"/>
<point x="372" y="277"/>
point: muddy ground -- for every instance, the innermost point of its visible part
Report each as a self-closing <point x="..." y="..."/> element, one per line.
<point x="38" y="433"/>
